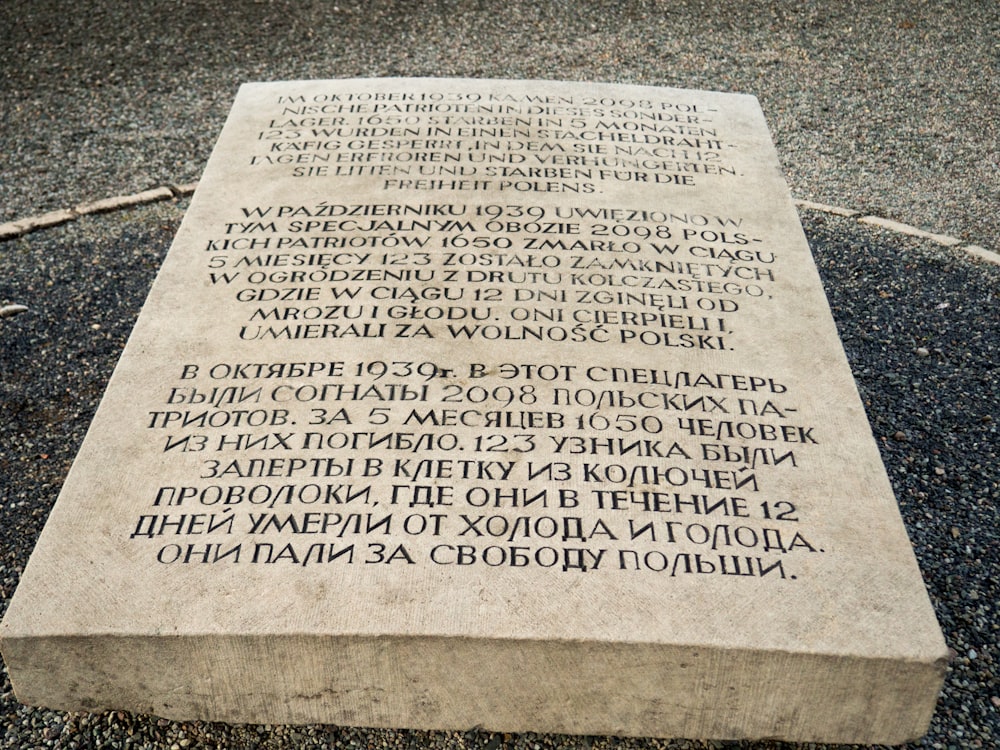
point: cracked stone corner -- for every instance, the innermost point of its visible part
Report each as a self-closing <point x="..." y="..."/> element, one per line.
<point x="181" y="190"/>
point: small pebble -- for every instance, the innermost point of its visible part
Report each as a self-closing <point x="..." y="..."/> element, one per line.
<point x="9" y="311"/>
<point x="923" y="351"/>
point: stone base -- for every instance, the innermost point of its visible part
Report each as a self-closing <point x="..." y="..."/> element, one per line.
<point x="633" y="689"/>
<point x="510" y="404"/>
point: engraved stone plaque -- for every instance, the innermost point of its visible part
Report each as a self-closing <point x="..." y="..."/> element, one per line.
<point x="485" y="403"/>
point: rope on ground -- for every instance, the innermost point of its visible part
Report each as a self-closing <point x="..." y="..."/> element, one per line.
<point x="20" y="227"/>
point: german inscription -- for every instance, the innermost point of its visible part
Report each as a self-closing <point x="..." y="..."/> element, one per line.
<point x="503" y="362"/>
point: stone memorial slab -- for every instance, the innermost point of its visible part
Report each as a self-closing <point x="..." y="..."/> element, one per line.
<point x="485" y="403"/>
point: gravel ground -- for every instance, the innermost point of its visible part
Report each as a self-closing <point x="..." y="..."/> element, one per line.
<point x="891" y="108"/>
<point x="893" y="111"/>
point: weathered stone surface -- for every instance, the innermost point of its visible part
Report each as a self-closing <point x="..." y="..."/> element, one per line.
<point x="510" y="404"/>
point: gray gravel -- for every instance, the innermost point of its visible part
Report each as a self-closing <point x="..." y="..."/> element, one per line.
<point x="892" y="111"/>
<point x="891" y="108"/>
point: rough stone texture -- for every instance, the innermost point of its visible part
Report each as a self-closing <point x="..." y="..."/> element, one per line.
<point x="187" y="188"/>
<point x="830" y="639"/>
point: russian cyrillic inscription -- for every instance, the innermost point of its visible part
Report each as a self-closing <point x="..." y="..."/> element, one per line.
<point x="444" y="379"/>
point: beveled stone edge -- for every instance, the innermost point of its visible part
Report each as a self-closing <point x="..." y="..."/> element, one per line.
<point x="911" y="684"/>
